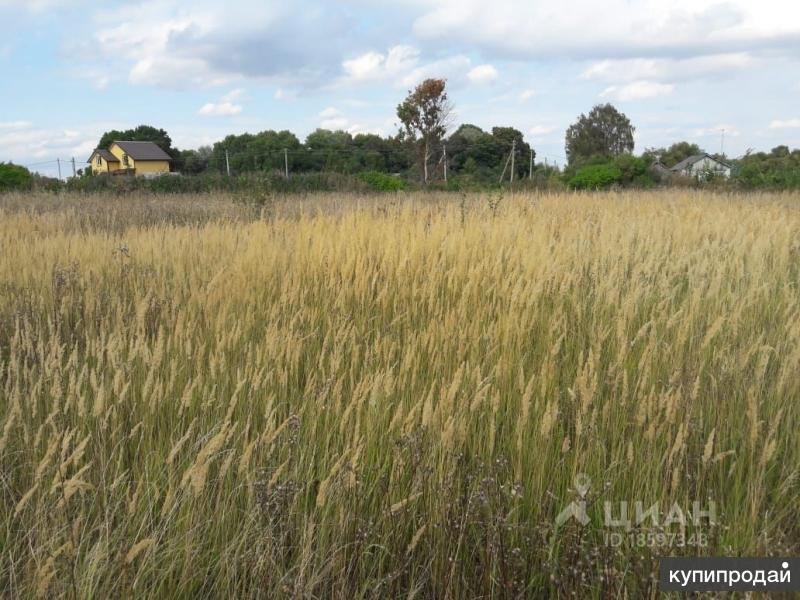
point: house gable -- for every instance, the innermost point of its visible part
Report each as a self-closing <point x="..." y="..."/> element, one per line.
<point x="699" y="164"/>
<point x="142" y="157"/>
<point x="103" y="161"/>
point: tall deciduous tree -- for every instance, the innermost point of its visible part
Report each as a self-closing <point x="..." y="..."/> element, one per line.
<point x="508" y="138"/>
<point x="603" y="132"/>
<point x="425" y="115"/>
<point x="142" y="133"/>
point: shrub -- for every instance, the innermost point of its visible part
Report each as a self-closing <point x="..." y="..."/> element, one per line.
<point x="595" y="177"/>
<point x="631" y="167"/>
<point x="382" y="182"/>
<point x="14" y="177"/>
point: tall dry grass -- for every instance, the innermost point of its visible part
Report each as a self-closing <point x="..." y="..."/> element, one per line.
<point x="350" y="397"/>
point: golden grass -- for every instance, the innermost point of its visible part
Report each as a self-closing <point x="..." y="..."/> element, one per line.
<point x="391" y="397"/>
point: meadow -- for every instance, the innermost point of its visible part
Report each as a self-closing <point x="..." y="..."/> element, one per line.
<point x="337" y="396"/>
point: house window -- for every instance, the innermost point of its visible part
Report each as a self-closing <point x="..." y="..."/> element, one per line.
<point x="99" y="161"/>
<point x="125" y="159"/>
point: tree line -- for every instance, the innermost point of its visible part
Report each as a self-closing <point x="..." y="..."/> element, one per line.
<point x="427" y="151"/>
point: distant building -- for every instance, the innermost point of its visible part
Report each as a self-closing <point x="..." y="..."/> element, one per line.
<point x="701" y="166"/>
<point x="661" y="171"/>
<point x="134" y="158"/>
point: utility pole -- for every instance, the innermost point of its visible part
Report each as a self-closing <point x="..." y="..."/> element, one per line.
<point x="58" y="160"/>
<point x="286" y="162"/>
<point x="74" y="172"/>
<point x="505" y="166"/>
<point x="227" y="163"/>
<point x="513" y="152"/>
<point x="530" y="166"/>
<point x="444" y="157"/>
<point x="722" y="143"/>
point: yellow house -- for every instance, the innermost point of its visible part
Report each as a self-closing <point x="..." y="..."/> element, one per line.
<point x="135" y="158"/>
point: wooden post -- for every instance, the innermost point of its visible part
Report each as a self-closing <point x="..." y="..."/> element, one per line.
<point x="530" y="166"/>
<point x="513" y="152"/>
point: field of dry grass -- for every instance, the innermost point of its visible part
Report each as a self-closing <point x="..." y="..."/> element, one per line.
<point x="333" y="397"/>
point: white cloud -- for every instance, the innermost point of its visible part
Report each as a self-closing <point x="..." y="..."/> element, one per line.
<point x="541" y="130"/>
<point x="35" y="5"/>
<point x="332" y="118"/>
<point x="329" y="112"/>
<point x="660" y="69"/>
<point x="175" y="72"/>
<point x="283" y="94"/>
<point x="716" y="131"/>
<point x="402" y="65"/>
<point x="612" y="29"/>
<point x="452" y="69"/>
<point x="221" y="109"/>
<point x="785" y="124"/>
<point x="637" y="90"/>
<point x="375" y="66"/>
<point x="15" y="124"/>
<point x="483" y="74"/>
<point x="24" y="143"/>
<point x="226" y="107"/>
<point x="526" y="95"/>
<point x="98" y="78"/>
<point x="233" y="95"/>
<point x="175" y="44"/>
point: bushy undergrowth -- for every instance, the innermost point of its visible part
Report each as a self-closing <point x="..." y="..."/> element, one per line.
<point x="273" y="182"/>
<point x="344" y="397"/>
<point x="382" y="182"/>
<point x="14" y="177"/>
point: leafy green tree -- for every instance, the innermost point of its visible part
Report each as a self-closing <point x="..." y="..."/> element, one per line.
<point x="266" y="150"/>
<point x="195" y="162"/>
<point x="504" y="138"/>
<point x="472" y="149"/>
<point x="777" y="169"/>
<point x="425" y="115"/>
<point x="371" y="153"/>
<point x="673" y="155"/>
<point x="142" y="133"/>
<point x="596" y="177"/>
<point x="603" y="132"/>
<point x="262" y="151"/>
<point x="483" y="155"/>
<point x="633" y="169"/>
<point x="14" y="177"/>
<point x="329" y="151"/>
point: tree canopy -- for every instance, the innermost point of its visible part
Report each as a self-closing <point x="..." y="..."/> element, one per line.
<point x="603" y="132"/>
<point x="674" y="154"/>
<point x="14" y="177"/>
<point x="142" y="133"/>
<point x="425" y="116"/>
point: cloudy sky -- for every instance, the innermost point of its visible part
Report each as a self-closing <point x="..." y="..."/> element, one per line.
<point x="680" y="69"/>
